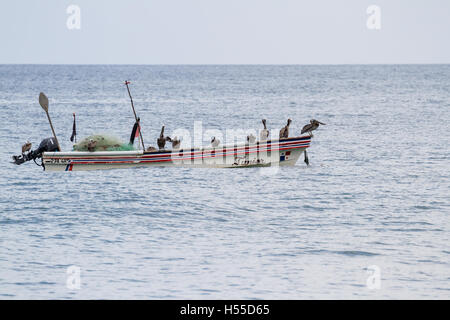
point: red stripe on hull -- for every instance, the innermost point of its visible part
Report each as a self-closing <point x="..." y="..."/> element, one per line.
<point x="146" y="159"/>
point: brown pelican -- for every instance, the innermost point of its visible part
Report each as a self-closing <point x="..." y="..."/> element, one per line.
<point x="284" y="132"/>
<point x="251" y="138"/>
<point x="264" y="134"/>
<point x="162" y="140"/>
<point x="215" y="142"/>
<point x="311" y="126"/>
<point x="176" y="143"/>
<point x="26" y="147"/>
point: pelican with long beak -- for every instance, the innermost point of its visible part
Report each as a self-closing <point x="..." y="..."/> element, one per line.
<point x="264" y="134"/>
<point x="162" y="140"/>
<point x="284" y="132"/>
<point x="313" y="125"/>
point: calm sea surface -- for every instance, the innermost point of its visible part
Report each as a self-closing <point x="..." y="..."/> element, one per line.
<point x="373" y="206"/>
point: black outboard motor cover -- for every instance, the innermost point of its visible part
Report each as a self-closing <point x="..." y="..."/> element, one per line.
<point x="46" y="145"/>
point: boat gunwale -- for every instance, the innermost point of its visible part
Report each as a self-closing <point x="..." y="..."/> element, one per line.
<point x="167" y="158"/>
<point x="185" y="152"/>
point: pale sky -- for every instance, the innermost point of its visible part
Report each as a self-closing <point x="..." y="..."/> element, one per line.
<point x="224" y="32"/>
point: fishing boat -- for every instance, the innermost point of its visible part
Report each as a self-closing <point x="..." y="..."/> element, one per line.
<point x="278" y="152"/>
<point x="283" y="152"/>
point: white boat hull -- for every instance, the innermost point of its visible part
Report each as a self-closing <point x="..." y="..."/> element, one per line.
<point x="283" y="152"/>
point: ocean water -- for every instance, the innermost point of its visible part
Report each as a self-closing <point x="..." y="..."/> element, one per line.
<point x="368" y="219"/>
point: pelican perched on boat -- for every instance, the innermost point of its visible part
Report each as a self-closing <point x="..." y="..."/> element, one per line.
<point x="215" y="142"/>
<point x="251" y="138"/>
<point x="162" y="140"/>
<point x="284" y="132"/>
<point x="264" y="134"/>
<point x="313" y="125"/>
<point x="26" y="147"/>
<point x="176" y="143"/>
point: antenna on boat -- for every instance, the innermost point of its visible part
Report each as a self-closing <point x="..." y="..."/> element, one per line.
<point x="135" y="116"/>
<point x="43" y="101"/>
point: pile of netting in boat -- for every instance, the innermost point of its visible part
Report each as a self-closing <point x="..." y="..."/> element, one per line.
<point x="101" y="142"/>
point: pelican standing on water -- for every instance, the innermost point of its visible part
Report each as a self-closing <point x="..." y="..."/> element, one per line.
<point x="313" y="125"/>
<point x="162" y="140"/>
<point x="284" y="132"/>
<point x="264" y="134"/>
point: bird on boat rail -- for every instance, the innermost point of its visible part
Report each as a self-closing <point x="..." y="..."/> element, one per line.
<point x="215" y="142"/>
<point x="264" y="134"/>
<point x="162" y="140"/>
<point x="284" y="132"/>
<point x="176" y="143"/>
<point x="313" y="125"/>
<point x="26" y="147"/>
<point x="251" y="138"/>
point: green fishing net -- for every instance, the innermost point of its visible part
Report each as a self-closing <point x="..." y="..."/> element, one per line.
<point x="101" y="142"/>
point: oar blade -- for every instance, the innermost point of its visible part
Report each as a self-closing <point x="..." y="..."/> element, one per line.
<point x="43" y="101"/>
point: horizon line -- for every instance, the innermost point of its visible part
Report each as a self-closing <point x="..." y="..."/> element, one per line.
<point x="226" y="64"/>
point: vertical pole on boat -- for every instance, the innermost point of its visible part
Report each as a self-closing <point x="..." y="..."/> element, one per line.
<point x="74" y="130"/>
<point x="135" y="116"/>
<point x="43" y="101"/>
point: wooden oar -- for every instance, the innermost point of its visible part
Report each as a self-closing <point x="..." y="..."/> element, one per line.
<point x="43" y="101"/>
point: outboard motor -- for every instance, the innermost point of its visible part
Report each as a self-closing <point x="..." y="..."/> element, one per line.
<point x="46" y="145"/>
